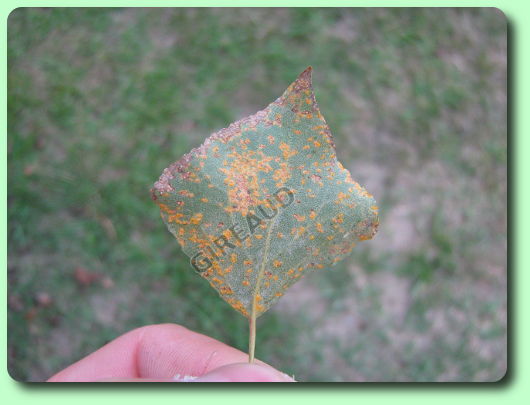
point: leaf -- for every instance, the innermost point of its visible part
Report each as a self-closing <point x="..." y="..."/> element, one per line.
<point x="85" y="277"/>
<point x="265" y="201"/>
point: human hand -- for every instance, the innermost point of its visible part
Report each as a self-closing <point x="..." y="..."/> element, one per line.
<point x="168" y="353"/>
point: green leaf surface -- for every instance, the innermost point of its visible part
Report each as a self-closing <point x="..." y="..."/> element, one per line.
<point x="265" y="201"/>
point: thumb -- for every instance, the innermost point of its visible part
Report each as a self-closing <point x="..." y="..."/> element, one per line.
<point x="244" y="372"/>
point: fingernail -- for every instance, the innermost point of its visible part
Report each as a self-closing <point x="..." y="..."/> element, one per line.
<point x="244" y="372"/>
<point x="184" y="378"/>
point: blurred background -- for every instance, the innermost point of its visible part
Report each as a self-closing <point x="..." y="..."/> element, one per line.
<point x="100" y="101"/>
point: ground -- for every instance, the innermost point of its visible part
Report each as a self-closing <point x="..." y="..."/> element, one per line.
<point x="101" y="100"/>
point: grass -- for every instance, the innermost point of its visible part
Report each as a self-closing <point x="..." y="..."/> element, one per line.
<point x="101" y="100"/>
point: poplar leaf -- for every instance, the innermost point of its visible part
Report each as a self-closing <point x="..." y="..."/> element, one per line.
<point x="263" y="202"/>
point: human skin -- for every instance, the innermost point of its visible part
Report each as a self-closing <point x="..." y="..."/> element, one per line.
<point x="167" y="353"/>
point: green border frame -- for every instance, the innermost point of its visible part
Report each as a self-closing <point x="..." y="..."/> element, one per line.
<point x="511" y="388"/>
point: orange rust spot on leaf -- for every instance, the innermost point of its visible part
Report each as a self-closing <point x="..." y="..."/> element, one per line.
<point x="341" y="196"/>
<point x="186" y="193"/>
<point x="196" y="218"/>
<point x="287" y="150"/>
<point x="282" y="174"/>
<point x="299" y="218"/>
<point x="176" y="218"/>
<point x="166" y="209"/>
<point x="339" y="219"/>
<point x="226" y="290"/>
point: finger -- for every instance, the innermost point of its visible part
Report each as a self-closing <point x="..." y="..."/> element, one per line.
<point x="137" y="379"/>
<point x="244" y="372"/>
<point x="116" y="359"/>
<point x="237" y="372"/>
<point x="153" y="352"/>
<point x="166" y="352"/>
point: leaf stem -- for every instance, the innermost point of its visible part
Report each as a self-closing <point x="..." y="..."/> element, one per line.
<point x="254" y="311"/>
<point x="252" y="333"/>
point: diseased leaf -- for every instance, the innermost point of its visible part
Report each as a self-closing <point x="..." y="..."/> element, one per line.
<point x="265" y="201"/>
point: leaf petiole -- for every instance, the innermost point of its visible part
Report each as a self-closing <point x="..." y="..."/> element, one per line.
<point x="254" y="310"/>
<point x="252" y="332"/>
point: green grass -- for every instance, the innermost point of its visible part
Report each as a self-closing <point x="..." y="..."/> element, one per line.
<point x="101" y="100"/>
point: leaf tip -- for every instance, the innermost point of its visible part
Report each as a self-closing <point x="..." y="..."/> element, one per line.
<point x="305" y="76"/>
